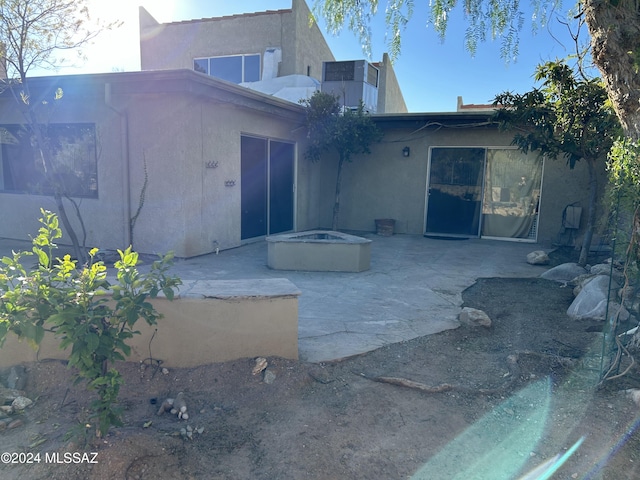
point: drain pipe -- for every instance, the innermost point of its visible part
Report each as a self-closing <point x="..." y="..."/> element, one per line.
<point x="126" y="174"/>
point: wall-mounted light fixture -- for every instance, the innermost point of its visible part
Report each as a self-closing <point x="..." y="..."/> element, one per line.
<point x="406" y="151"/>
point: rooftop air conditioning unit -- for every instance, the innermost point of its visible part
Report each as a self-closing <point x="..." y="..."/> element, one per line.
<point x="352" y="81"/>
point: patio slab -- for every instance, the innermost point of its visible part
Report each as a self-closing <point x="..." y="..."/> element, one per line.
<point x="413" y="288"/>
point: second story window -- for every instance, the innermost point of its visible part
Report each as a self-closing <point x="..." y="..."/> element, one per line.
<point x="233" y="68"/>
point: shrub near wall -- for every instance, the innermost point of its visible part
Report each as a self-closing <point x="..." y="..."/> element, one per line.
<point x="69" y="301"/>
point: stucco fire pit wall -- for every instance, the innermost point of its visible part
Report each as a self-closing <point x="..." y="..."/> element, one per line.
<point x="209" y="321"/>
<point x="319" y="251"/>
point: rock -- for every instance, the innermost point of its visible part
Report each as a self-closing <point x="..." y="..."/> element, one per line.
<point x="15" y="424"/>
<point x="615" y="309"/>
<point x="20" y="403"/>
<point x="320" y="375"/>
<point x="474" y="317"/>
<point x="8" y="395"/>
<point x="538" y="257"/>
<point x="564" y="273"/>
<point x="180" y="405"/>
<point x="269" y="376"/>
<point x="591" y="302"/>
<point x="634" y="394"/>
<point x="627" y="294"/>
<point x="17" y="378"/>
<point x="261" y="364"/>
<point x="605" y="269"/>
<point x="165" y="406"/>
<point x="579" y="282"/>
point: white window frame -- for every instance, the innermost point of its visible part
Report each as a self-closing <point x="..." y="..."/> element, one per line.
<point x="242" y="55"/>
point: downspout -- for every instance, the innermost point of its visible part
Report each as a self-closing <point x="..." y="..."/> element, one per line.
<point x="126" y="174"/>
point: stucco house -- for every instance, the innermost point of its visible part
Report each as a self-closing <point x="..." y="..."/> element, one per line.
<point x="267" y="51"/>
<point x="221" y="163"/>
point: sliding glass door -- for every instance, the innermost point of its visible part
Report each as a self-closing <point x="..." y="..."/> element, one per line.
<point x="267" y="186"/>
<point x="455" y="191"/>
<point x="489" y="192"/>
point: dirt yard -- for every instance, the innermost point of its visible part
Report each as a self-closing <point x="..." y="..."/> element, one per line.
<point x="494" y="404"/>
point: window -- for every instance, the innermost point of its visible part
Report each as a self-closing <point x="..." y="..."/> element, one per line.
<point x="339" y="71"/>
<point x="234" y="68"/>
<point x="73" y="155"/>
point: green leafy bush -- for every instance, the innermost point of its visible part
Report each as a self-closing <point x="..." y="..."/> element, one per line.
<point x="82" y="309"/>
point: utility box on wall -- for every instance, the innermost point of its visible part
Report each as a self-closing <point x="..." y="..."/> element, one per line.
<point x="571" y="217"/>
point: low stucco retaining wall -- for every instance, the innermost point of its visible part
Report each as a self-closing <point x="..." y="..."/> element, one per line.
<point x="208" y="322"/>
<point x="319" y="251"/>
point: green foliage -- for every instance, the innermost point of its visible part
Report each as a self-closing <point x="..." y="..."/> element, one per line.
<point x="332" y="128"/>
<point x="498" y="19"/>
<point x="623" y="167"/>
<point x="33" y="34"/>
<point x="32" y="31"/>
<point x="485" y="18"/>
<point x="566" y="117"/>
<point x="73" y="304"/>
<point x="347" y="132"/>
<point x="357" y="16"/>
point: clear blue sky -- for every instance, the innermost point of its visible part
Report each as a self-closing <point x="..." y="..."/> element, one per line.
<point x="431" y="74"/>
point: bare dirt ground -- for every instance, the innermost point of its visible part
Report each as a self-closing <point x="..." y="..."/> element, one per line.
<point x="502" y="400"/>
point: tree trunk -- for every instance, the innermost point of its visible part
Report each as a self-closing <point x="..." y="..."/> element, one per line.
<point x="615" y="47"/>
<point x="336" y="205"/>
<point x="615" y="36"/>
<point x="78" y="249"/>
<point x="45" y="157"/>
<point x="591" y="212"/>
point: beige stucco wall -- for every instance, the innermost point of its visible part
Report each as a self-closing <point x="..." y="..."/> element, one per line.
<point x="387" y="185"/>
<point x="176" y="45"/>
<point x="390" y="98"/>
<point x="564" y="186"/>
<point x="188" y="207"/>
<point x="311" y="48"/>
<point x="200" y="331"/>
<point x="310" y="192"/>
<point x="179" y="121"/>
<point x="176" y="127"/>
<point x="103" y="216"/>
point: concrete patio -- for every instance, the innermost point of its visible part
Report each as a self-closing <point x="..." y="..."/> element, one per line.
<point x="414" y="288"/>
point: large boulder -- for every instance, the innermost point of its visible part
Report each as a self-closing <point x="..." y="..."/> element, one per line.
<point x="579" y="282"/>
<point x="591" y="302"/>
<point x="606" y="269"/>
<point x="564" y="273"/>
